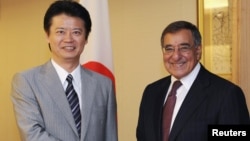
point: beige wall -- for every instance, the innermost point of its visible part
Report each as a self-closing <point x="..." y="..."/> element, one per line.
<point x="136" y="26"/>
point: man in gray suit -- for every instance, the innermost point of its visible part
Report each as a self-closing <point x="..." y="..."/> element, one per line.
<point x="43" y="112"/>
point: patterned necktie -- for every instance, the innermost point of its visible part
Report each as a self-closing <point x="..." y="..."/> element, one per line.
<point x="74" y="103"/>
<point x="168" y="110"/>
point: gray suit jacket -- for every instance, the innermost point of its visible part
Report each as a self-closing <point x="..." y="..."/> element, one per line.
<point x="43" y="113"/>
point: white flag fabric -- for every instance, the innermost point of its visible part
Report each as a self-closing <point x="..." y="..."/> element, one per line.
<point x="97" y="54"/>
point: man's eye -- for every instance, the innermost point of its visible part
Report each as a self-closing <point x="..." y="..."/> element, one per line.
<point x="185" y="47"/>
<point x="169" y="48"/>
<point x="77" y="32"/>
<point x="59" y="32"/>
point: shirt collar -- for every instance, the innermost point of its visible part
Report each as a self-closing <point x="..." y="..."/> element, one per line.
<point x="188" y="80"/>
<point x="62" y="73"/>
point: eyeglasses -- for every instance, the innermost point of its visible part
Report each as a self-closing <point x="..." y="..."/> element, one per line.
<point x="182" y="48"/>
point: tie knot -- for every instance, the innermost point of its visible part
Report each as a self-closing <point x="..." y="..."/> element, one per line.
<point x="69" y="78"/>
<point x="176" y="85"/>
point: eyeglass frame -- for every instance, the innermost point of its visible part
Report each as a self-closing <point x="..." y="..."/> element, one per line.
<point x="182" y="48"/>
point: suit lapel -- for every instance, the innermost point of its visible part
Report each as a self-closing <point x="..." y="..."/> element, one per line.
<point x="160" y="92"/>
<point x="51" y="82"/>
<point x="192" y="101"/>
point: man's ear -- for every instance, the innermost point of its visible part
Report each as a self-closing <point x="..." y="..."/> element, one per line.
<point x="199" y="52"/>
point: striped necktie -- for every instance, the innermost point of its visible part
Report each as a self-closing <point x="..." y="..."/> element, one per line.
<point x="74" y="103"/>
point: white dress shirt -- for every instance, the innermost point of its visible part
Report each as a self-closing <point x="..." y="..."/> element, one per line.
<point x="181" y="93"/>
<point x="62" y="73"/>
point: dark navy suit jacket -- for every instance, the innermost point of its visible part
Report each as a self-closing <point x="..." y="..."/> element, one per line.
<point x="210" y="100"/>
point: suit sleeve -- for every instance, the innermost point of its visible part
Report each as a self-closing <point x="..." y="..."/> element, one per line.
<point x="27" y="111"/>
<point x="234" y="106"/>
<point x="111" y="127"/>
<point x="140" y="130"/>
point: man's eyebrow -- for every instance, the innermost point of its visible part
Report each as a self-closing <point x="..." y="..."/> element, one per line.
<point x="185" y="44"/>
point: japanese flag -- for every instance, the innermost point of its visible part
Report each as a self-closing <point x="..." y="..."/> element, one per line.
<point x="97" y="54"/>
